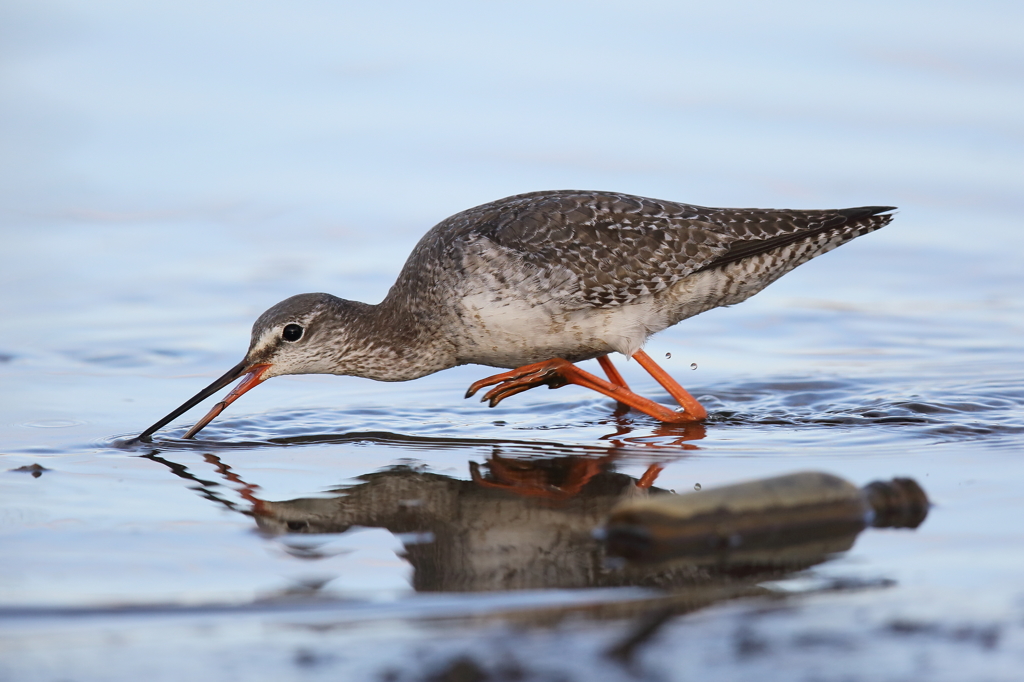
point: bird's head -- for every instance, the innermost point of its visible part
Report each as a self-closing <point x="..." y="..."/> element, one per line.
<point x="296" y="336"/>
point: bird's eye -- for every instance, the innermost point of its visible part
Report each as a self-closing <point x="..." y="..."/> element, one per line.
<point x="292" y="332"/>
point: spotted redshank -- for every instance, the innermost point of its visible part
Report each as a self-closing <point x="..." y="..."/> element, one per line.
<point x="537" y="282"/>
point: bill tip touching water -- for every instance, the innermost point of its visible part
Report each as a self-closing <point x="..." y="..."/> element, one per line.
<point x="537" y="282"/>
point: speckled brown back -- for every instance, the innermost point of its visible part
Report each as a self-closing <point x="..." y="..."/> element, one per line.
<point x="620" y="247"/>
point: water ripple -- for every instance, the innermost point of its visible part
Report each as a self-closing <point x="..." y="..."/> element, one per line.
<point x="879" y="411"/>
<point x="960" y="412"/>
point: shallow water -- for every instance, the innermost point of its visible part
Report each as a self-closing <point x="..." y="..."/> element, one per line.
<point x="171" y="172"/>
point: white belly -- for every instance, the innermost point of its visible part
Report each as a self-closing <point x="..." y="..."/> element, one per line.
<point x="512" y="333"/>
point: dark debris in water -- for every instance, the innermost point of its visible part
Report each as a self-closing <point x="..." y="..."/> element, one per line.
<point x="468" y="668"/>
<point x="461" y="669"/>
<point x="464" y="667"/>
<point x="35" y="469"/>
<point x="985" y="636"/>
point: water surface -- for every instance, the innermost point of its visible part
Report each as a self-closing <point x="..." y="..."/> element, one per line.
<point x="172" y="171"/>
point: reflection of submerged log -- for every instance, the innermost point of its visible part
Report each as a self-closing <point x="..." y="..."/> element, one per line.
<point x="773" y="521"/>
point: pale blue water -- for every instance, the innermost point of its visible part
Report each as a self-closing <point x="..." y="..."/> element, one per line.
<point x="170" y="170"/>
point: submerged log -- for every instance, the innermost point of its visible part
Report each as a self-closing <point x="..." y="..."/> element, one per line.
<point x="770" y="521"/>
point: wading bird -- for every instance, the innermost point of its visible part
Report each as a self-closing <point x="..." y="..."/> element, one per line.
<point x="536" y="282"/>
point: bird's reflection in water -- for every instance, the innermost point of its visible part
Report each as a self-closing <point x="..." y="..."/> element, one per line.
<point x="523" y="522"/>
<point x="480" y="534"/>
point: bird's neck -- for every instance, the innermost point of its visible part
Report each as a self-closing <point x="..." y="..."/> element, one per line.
<point x="390" y="342"/>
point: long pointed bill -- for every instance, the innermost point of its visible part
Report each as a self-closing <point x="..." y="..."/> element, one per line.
<point x="253" y="376"/>
<point x="251" y="380"/>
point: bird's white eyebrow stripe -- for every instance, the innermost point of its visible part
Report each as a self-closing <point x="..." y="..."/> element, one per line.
<point x="265" y="341"/>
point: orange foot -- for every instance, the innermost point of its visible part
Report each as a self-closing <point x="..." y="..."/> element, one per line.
<point x="538" y="478"/>
<point x="557" y="372"/>
<point x="533" y="478"/>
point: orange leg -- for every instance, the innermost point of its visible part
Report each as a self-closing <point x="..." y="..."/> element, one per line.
<point x="651" y="475"/>
<point x="612" y="371"/>
<point x="557" y="372"/>
<point x="613" y="376"/>
<point x="682" y="396"/>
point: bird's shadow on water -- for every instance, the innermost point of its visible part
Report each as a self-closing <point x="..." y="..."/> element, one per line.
<point x="880" y="410"/>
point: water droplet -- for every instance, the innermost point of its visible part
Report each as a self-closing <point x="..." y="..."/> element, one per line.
<point x="693" y="365"/>
<point x="696" y="486"/>
<point x="668" y="355"/>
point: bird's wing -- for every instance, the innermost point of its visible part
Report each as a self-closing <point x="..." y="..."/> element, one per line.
<point x="597" y="249"/>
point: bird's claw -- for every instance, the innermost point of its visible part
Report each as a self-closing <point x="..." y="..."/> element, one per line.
<point x="548" y="377"/>
<point x="510" y="383"/>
